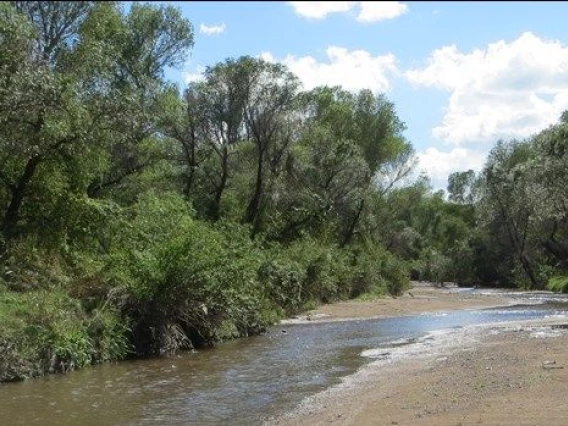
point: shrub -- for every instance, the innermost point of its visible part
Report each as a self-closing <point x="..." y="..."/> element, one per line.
<point x="377" y="271"/>
<point x="283" y="280"/>
<point x="47" y="331"/>
<point x="28" y="267"/>
<point x="558" y="284"/>
<point x="190" y="285"/>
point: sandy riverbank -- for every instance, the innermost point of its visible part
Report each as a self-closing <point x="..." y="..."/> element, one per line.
<point x="500" y="374"/>
<point x="421" y="298"/>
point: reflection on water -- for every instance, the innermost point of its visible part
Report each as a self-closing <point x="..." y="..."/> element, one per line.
<point x="237" y="383"/>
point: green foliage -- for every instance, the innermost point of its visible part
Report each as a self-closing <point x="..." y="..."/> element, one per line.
<point x="559" y="284"/>
<point x="462" y="187"/>
<point x="46" y="331"/>
<point x="283" y="280"/>
<point x="307" y="273"/>
<point x="434" y="266"/>
<point x="188" y="281"/>
<point x="25" y="266"/>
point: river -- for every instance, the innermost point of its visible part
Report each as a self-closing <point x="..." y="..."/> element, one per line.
<point x="242" y="382"/>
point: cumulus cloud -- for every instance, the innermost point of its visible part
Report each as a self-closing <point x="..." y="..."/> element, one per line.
<point x="373" y="11"/>
<point x="320" y="9"/>
<point x="363" y="11"/>
<point x="438" y="165"/>
<point x="505" y="90"/>
<point x="353" y="70"/>
<point x="195" y="77"/>
<point x="212" y="29"/>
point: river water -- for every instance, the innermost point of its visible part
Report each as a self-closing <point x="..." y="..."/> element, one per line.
<point x="237" y="383"/>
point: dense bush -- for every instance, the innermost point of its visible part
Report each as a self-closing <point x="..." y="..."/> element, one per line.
<point x="47" y="331"/>
<point x="559" y="284"/>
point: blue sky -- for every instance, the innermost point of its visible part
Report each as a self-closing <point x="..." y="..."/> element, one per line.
<point x="461" y="74"/>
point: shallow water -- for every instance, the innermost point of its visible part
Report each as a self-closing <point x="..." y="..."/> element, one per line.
<point x="237" y="383"/>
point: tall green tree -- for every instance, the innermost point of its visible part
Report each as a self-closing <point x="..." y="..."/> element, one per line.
<point x="268" y="110"/>
<point x="43" y="119"/>
<point x="462" y="187"/>
<point x="550" y="173"/>
<point x="507" y="205"/>
<point x="370" y="123"/>
<point x="142" y="44"/>
<point x="218" y="112"/>
<point x="73" y="92"/>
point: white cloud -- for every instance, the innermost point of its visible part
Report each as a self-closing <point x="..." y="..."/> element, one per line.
<point x="195" y="77"/>
<point x="320" y="9"/>
<point x="506" y="90"/>
<point x="366" y="11"/>
<point x="439" y="164"/>
<point x="212" y="29"/>
<point x="353" y="70"/>
<point x="373" y="11"/>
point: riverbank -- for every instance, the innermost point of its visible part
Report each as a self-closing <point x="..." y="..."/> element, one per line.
<point x="422" y="297"/>
<point x="499" y="374"/>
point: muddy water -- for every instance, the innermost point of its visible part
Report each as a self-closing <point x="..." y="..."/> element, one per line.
<point x="237" y="383"/>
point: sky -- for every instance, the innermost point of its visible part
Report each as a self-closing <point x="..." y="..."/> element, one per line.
<point x="462" y="75"/>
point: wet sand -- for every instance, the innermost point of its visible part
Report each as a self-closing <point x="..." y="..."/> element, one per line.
<point x="492" y="374"/>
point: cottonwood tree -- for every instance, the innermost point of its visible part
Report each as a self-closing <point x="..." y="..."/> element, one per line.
<point x="220" y="108"/>
<point x="506" y="206"/>
<point x="270" y="93"/>
<point x="43" y="120"/>
<point x="69" y="92"/>
<point x="368" y="122"/>
<point x="140" y="45"/>
<point x="550" y="197"/>
<point x="325" y="177"/>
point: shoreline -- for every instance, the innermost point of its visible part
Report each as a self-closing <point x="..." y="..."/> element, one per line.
<point x="423" y="299"/>
<point x="492" y="374"/>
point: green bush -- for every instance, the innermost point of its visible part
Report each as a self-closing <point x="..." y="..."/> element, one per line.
<point x="188" y="282"/>
<point x="47" y="331"/>
<point x="308" y="272"/>
<point x="305" y="274"/>
<point x="434" y="266"/>
<point x="27" y="266"/>
<point x="377" y="271"/>
<point x="283" y="280"/>
<point x="558" y="284"/>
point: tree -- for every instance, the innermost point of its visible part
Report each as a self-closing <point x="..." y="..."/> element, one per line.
<point x="461" y="187"/>
<point x="271" y="90"/>
<point x="506" y="204"/>
<point x="140" y="46"/>
<point x="325" y="177"/>
<point x="219" y="115"/>
<point x="58" y="23"/>
<point x="550" y="171"/>
<point x="71" y="94"/>
<point x="42" y="120"/>
<point x="370" y="123"/>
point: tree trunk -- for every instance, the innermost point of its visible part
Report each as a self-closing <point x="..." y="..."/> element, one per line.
<point x="353" y="225"/>
<point x="190" y="158"/>
<point x="253" y="209"/>
<point x="12" y="215"/>
<point x="557" y="249"/>
<point x="536" y="284"/>
<point x="216" y="209"/>
<point x="518" y="247"/>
